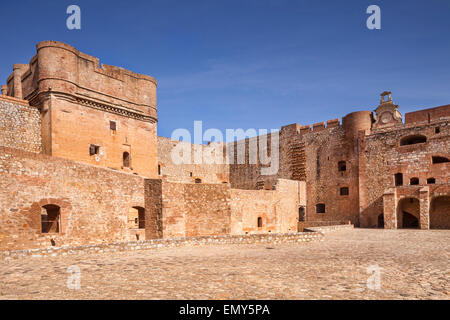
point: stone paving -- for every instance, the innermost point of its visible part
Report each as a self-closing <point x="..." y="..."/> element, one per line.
<point x="414" y="265"/>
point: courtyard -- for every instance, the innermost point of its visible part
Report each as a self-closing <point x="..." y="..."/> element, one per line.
<point x="413" y="264"/>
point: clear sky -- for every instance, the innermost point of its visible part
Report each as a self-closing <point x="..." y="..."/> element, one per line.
<point x="252" y="63"/>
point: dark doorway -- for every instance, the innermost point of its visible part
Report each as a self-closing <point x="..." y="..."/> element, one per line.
<point x="301" y="214"/>
<point x="409" y="221"/>
<point x="398" y="177"/>
<point x="408" y="213"/>
<point x="50" y="219"/>
<point x="381" y="221"/>
<point x="126" y="160"/>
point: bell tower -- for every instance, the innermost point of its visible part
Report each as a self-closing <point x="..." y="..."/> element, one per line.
<point x="387" y="114"/>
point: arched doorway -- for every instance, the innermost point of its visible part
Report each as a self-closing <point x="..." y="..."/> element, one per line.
<point x="440" y="213"/>
<point x="408" y="213"/>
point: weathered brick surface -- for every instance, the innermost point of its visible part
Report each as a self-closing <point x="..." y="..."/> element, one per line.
<point x="94" y="202"/>
<point x="207" y="168"/>
<point x="382" y="157"/>
<point x="65" y="105"/>
<point x="78" y="98"/>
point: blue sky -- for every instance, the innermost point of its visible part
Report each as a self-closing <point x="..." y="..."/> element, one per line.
<point x="252" y="63"/>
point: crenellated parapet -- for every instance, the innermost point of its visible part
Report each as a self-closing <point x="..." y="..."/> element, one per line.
<point x="61" y="69"/>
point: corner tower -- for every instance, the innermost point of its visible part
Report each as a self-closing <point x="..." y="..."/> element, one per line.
<point x="97" y="114"/>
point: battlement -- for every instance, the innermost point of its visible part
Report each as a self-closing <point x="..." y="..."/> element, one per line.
<point x="428" y="115"/>
<point x="61" y="69"/>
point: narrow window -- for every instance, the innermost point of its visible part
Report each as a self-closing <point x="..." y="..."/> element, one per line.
<point x="198" y="180"/>
<point x="398" y="177"/>
<point x="50" y="219"/>
<point x="259" y="222"/>
<point x="436" y="159"/>
<point x="413" y="140"/>
<point x="342" y="166"/>
<point x="344" y="191"/>
<point x="431" y="181"/>
<point x="112" y="125"/>
<point x="126" y="160"/>
<point x="301" y="214"/>
<point x="437" y="130"/>
<point x="320" y="208"/>
<point x="190" y="174"/>
<point x="93" y="149"/>
<point x="414" y="181"/>
<point x="159" y="170"/>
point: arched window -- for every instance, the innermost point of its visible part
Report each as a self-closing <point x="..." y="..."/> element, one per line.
<point x="414" y="181"/>
<point x="260" y="223"/>
<point x="50" y="217"/>
<point x="398" y="178"/>
<point x="413" y="140"/>
<point x="437" y="159"/>
<point x="431" y="181"/>
<point x="342" y="166"/>
<point x="320" y="208"/>
<point x="126" y="160"/>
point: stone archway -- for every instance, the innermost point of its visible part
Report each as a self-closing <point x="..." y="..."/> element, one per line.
<point x="408" y="213"/>
<point x="440" y="213"/>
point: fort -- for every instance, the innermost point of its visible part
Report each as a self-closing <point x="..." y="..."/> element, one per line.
<point x="81" y="163"/>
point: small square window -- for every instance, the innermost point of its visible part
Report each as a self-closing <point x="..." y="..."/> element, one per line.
<point x="93" y="149"/>
<point x="344" y="191"/>
<point x="437" y="130"/>
<point x="320" y="208"/>
<point x="113" y="125"/>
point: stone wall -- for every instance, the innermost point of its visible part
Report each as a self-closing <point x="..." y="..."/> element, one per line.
<point x="94" y="202"/>
<point x="266" y="239"/>
<point x="332" y="171"/>
<point x="382" y="157"/>
<point x="208" y="169"/>
<point x="20" y="125"/>
<point x="263" y="211"/>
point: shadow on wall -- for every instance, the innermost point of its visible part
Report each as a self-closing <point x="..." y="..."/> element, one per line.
<point x="440" y="213"/>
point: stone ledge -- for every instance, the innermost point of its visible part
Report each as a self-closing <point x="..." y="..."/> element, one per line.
<point x="14" y="100"/>
<point x="266" y="238"/>
<point x="327" y="229"/>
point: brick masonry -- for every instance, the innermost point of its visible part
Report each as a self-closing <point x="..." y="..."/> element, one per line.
<point x="94" y="202"/>
<point x="79" y="142"/>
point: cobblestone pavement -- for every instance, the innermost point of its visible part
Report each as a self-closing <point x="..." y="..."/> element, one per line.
<point x="414" y="265"/>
